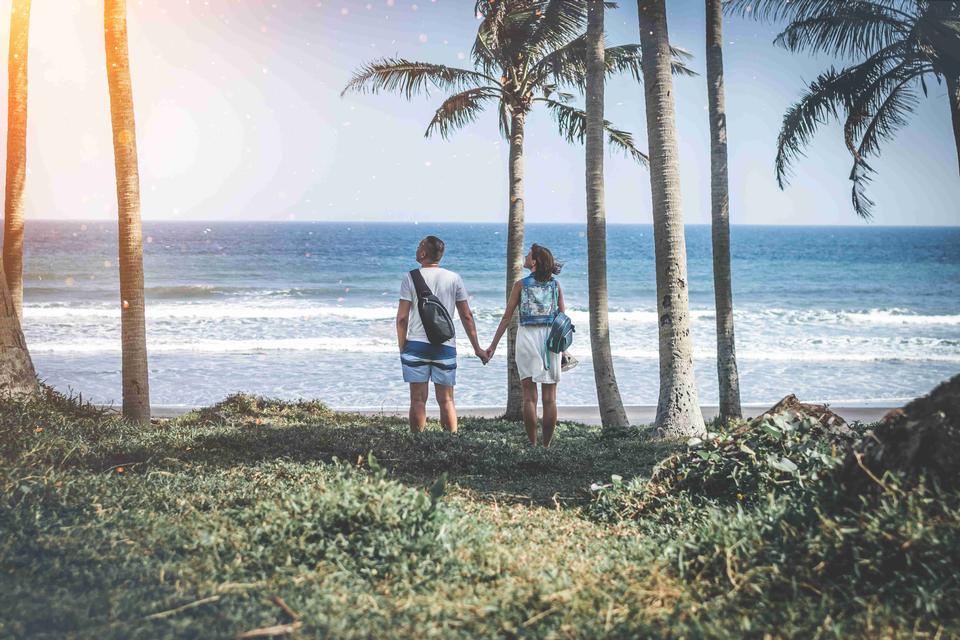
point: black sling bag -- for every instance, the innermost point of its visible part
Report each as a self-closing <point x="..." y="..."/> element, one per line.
<point x="436" y="320"/>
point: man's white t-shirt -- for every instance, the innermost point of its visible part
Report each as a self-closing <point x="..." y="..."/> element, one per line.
<point x="446" y="285"/>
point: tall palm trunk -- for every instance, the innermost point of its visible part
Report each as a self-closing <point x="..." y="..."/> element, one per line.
<point x="729" y="379"/>
<point x="136" y="393"/>
<point x="515" y="258"/>
<point x="678" y="409"/>
<point x="953" y="93"/>
<point x="16" y="151"/>
<point x="16" y="369"/>
<point x="612" y="413"/>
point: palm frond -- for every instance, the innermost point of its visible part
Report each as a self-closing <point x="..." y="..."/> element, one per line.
<point x="483" y="56"/>
<point x="552" y="90"/>
<point x="567" y="66"/>
<point x="412" y="78"/>
<point x="511" y="31"/>
<point x="939" y="28"/>
<point x="572" y="123"/>
<point x="826" y="97"/>
<point x="882" y="96"/>
<point x="487" y="49"/>
<point x="459" y="110"/>
<point x="791" y="10"/>
<point x="859" y="28"/>
<point x="555" y="23"/>
<point x="889" y="115"/>
<point x="822" y="102"/>
<point x="625" y="58"/>
<point x="861" y="175"/>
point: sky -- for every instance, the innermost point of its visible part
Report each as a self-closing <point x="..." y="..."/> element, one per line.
<point x="239" y="117"/>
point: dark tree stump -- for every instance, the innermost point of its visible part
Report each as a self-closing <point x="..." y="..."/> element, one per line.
<point x="921" y="438"/>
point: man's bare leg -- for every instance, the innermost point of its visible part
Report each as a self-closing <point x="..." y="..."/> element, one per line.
<point x="448" y="410"/>
<point x="530" y="409"/>
<point x="418" y="406"/>
<point x="549" y="412"/>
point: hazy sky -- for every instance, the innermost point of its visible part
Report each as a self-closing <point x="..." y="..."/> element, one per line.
<point x="239" y="117"/>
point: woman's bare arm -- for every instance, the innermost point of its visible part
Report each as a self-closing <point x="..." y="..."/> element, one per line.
<point x="512" y="303"/>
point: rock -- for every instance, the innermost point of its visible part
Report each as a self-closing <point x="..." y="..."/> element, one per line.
<point x="830" y="423"/>
<point x="919" y="439"/>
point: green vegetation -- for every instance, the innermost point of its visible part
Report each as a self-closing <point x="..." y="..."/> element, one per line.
<point x="254" y="513"/>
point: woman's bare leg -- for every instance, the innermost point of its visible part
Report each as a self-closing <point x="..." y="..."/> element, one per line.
<point x="530" y="409"/>
<point x="549" y="412"/>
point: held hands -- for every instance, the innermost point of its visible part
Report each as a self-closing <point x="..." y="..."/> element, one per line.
<point x="492" y="349"/>
<point x="480" y="353"/>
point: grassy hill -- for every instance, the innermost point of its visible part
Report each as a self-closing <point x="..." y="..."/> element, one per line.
<point x="262" y="517"/>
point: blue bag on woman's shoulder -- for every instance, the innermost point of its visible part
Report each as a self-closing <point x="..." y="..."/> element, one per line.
<point x="560" y="336"/>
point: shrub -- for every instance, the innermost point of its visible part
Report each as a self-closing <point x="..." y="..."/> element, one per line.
<point x="744" y="465"/>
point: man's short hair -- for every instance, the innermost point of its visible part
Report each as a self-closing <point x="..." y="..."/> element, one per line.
<point x="432" y="248"/>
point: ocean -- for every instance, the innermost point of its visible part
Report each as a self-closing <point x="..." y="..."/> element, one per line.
<point x="859" y="315"/>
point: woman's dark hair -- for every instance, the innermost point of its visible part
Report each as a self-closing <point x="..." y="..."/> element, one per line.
<point x="547" y="266"/>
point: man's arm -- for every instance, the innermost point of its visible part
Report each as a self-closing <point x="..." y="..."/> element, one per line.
<point x="466" y="318"/>
<point x="403" y="319"/>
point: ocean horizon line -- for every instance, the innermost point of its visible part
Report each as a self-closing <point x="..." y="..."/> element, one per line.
<point x="232" y="221"/>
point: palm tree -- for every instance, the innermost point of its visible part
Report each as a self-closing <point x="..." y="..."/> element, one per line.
<point x="678" y="409"/>
<point x="16" y="369"/>
<point x="526" y="52"/>
<point x="901" y="45"/>
<point x="133" y="332"/>
<point x="728" y="378"/>
<point x="16" y="151"/>
<point x="612" y="413"/>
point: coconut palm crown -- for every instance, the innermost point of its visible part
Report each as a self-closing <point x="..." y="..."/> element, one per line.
<point x="525" y="52"/>
<point x="899" y="45"/>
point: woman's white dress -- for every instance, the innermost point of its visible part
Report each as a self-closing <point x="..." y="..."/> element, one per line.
<point x="538" y="306"/>
<point x="531" y="354"/>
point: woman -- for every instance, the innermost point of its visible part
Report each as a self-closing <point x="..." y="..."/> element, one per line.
<point x="539" y="298"/>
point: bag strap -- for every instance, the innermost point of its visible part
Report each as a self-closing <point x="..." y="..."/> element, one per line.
<point x="420" y="284"/>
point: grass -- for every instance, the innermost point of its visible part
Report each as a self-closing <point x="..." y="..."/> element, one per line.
<point x="253" y="514"/>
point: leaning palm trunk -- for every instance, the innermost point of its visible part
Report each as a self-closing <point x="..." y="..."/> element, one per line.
<point x="16" y="151"/>
<point x="612" y="413"/>
<point x="678" y="409"/>
<point x="136" y="393"/>
<point x="16" y="369"/>
<point x="729" y="380"/>
<point x="514" y="258"/>
<point x="953" y="93"/>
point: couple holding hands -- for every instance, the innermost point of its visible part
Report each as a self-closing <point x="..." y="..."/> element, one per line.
<point x="427" y="340"/>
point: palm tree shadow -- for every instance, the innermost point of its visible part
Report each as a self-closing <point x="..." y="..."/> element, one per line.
<point x="489" y="458"/>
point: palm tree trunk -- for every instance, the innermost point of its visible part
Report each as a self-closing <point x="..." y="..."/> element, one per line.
<point x="612" y="413"/>
<point x="16" y="151"/>
<point x="133" y="332"/>
<point x="729" y="379"/>
<point x="953" y="93"/>
<point x="16" y="369"/>
<point x="678" y="409"/>
<point x="514" y="259"/>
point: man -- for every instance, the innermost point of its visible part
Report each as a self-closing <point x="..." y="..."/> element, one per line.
<point x="422" y="361"/>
